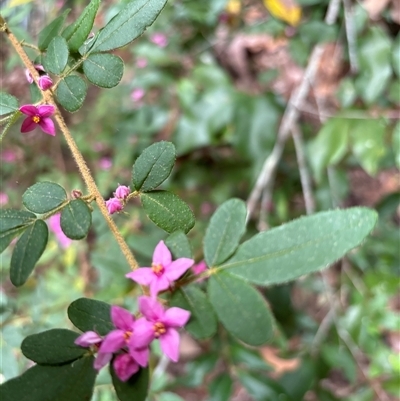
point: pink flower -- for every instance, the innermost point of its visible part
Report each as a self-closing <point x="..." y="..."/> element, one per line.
<point x="141" y="62"/>
<point x="3" y="198"/>
<point x="38" y="67"/>
<point x="38" y="116"/>
<point x="44" y="82"/>
<point x="55" y="226"/>
<point x="137" y="94"/>
<point x="163" y="270"/>
<point x="199" y="267"/>
<point x="105" y="163"/>
<point x="159" y="39"/>
<point x="162" y="324"/>
<point x="8" y="156"/>
<point x="122" y="192"/>
<point x="125" y="366"/>
<point x="114" y="205"/>
<point x="124" y="336"/>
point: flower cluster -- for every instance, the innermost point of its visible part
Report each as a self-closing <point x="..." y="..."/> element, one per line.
<point x="116" y="204"/>
<point x="44" y="82"/>
<point x="128" y="345"/>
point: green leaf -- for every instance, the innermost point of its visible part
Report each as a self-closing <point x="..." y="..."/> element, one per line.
<point x="7" y="236"/>
<point x="220" y="389"/>
<point x="179" y="245"/>
<point x="65" y="382"/>
<point x="241" y="308"/>
<point x="396" y="144"/>
<point x="227" y="225"/>
<point x="43" y="197"/>
<point x="136" y="388"/>
<point x="153" y="166"/>
<point x="76" y="219"/>
<point x="57" y="55"/>
<point x="104" y="70"/>
<point x="27" y="252"/>
<point x="52" y="30"/>
<point x="167" y="211"/>
<point x="76" y="33"/>
<point x="8" y="103"/>
<point x="202" y="323"/>
<point x="330" y="145"/>
<point x="91" y="315"/>
<point x="71" y="92"/>
<point x="128" y="24"/>
<point x="396" y="56"/>
<point x="11" y="218"/>
<point x="52" y="347"/>
<point x="368" y="143"/>
<point x="302" y="246"/>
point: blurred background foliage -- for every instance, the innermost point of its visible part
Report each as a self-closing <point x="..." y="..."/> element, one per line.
<point x="214" y="77"/>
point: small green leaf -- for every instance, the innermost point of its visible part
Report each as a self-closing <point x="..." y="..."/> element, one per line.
<point x="67" y="382"/>
<point x="330" y="145"/>
<point x="220" y="388"/>
<point x="136" y="388"/>
<point x="153" y="166"/>
<point x="202" y="323"/>
<point x="368" y="143"/>
<point x="8" y="103"/>
<point x="179" y="245"/>
<point x="76" y="33"/>
<point x="43" y="197"/>
<point x="128" y="24"/>
<point x="11" y="218"/>
<point x="303" y="246"/>
<point x="50" y="31"/>
<point x="241" y="308"/>
<point x="57" y="55"/>
<point x="104" y="70"/>
<point x="167" y="211"/>
<point x="71" y="92"/>
<point x="27" y="252"/>
<point x="91" y="315"/>
<point x="76" y="219"/>
<point x="227" y="225"/>
<point x="52" y="347"/>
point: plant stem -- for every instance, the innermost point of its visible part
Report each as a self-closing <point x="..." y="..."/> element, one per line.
<point x="77" y="155"/>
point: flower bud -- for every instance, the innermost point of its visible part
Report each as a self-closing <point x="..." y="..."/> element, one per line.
<point x="122" y="192"/>
<point x="45" y="82"/>
<point x="114" y="205"/>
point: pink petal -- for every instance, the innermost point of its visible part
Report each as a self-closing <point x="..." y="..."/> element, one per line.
<point x="125" y="366"/>
<point x="159" y="284"/>
<point x="113" y="341"/>
<point x="162" y="255"/>
<point x="87" y="339"/>
<point x="47" y="126"/>
<point x="28" y="125"/>
<point x="143" y="334"/>
<point x="29" y="110"/>
<point x="143" y="276"/>
<point x="121" y="318"/>
<point x="177" y="268"/>
<point x="28" y="76"/>
<point x="150" y="308"/>
<point x="170" y="344"/>
<point x="45" y="110"/>
<point x="141" y="356"/>
<point x="102" y="359"/>
<point x="175" y="317"/>
<point x="45" y="82"/>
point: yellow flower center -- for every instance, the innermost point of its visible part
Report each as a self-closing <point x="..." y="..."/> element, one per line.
<point x="159" y="329"/>
<point x="36" y="119"/>
<point x="127" y="335"/>
<point x="157" y="269"/>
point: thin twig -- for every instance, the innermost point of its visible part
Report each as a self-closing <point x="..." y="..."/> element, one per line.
<point x="303" y="170"/>
<point x="266" y="177"/>
<point x="321" y="333"/>
<point x="351" y="36"/>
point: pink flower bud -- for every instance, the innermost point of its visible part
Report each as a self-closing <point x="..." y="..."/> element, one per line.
<point x="122" y="192"/>
<point x="45" y="82"/>
<point x="159" y="39"/>
<point x="114" y="205"/>
<point x="141" y="62"/>
<point x="3" y="198"/>
<point x="137" y="94"/>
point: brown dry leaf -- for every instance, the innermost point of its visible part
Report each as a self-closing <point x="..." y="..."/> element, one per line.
<point x="375" y="7"/>
<point x="280" y="365"/>
<point x="286" y="10"/>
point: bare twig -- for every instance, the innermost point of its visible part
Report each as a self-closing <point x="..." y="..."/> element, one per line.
<point x="266" y="177"/>
<point x="304" y="174"/>
<point x="351" y="36"/>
